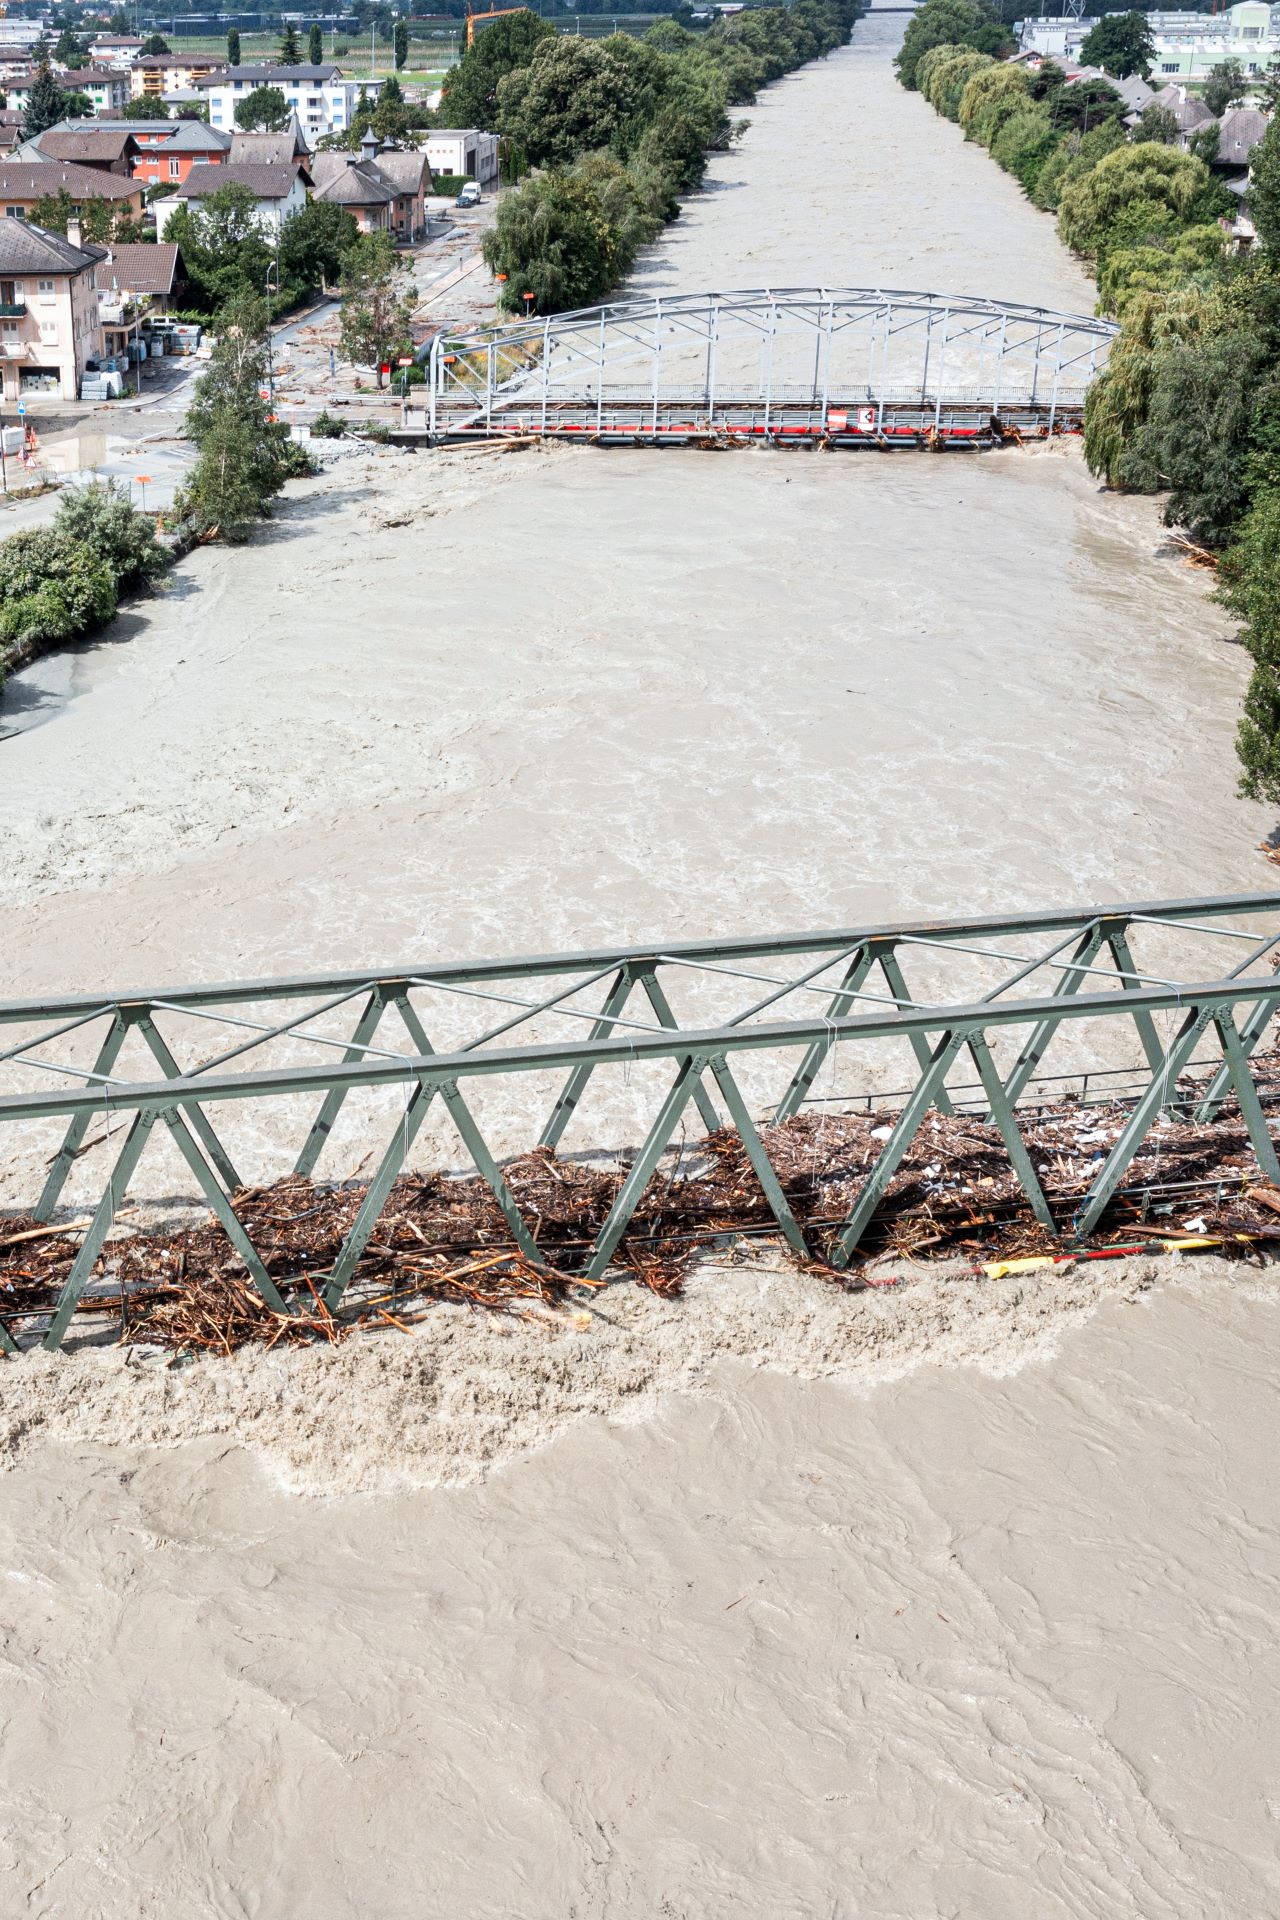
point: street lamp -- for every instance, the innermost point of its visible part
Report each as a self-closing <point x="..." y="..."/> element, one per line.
<point x="273" y="267"/>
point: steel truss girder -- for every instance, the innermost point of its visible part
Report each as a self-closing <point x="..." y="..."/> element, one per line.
<point x="828" y="1000"/>
<point x="1026" y="355"/>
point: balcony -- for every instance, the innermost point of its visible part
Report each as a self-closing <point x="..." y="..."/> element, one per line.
<point x="12" y="309"/>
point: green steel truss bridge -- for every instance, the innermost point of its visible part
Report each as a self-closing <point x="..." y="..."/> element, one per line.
<point x="836" y="366"/>
<point x="988" y="1015"/>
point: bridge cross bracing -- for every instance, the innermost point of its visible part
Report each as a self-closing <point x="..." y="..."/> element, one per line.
<point x="843" y="366"/>
<point x="987" y="1015"/>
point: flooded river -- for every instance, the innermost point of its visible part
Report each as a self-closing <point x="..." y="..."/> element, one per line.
<point x="723" y="1648"/>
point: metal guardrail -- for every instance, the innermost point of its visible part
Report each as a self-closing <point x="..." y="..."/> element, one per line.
<point x="786" y="1003"/>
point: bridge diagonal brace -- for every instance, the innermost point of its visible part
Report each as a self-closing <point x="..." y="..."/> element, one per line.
<point x="100" y="1226"/>
<point x="925" y="1096"/>
<point x="198" y="1123"/>
<point x="221" y="1205"/>
<point x="757" y="1155"/>
<point x="642" y="1168"/>
<point x="1121" y="953"/>
<point x="572" y="1091"/>
<point x="810" y="1066"/>
<point x="1255" y="1119"/>
<point x="1140" y="1120"/>
<point x="662" y="1008"/>
<point x="461" y="1115"/>
<point x="1250" y="1034"/>
<point x="1002" y="1116"/>
<point x="73" y="1140"/>
<point x="322" y="1126"/>
<point x="1071" y="980"/>
<point x="897" y="985"/>
<point x="406" y="1132"/>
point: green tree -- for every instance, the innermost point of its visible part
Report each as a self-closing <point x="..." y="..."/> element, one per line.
<point x="263" y="110"/>
<point x="244" y="456"/>
<point x="315" y="45"/>
<point x="290" y="51"/>
<point x="1249" y="585"/>
<point x="400" y="41"/>
<point x="991" y="97"/>
<point x="1134" y="192"/>
<point x="1204" y="143"/>
<point x="146" y="107"/>
<point x="958" y="23"/>
<point x="224" y="249"/>
<point x="46" y="104"/>
<point x="69" y="49"/>
<point x="1158" y="124"/>
<point x="51" y="589"/>
<point x="1120" y="44"/>
<point x="102" y="517"/>
<point x="156" y="44"/>
<point x="376" y="305"/>
<point x="314" y="243"/>
<point x="1225" y="87"/>
<point x="470" y="94"/>
<point x="577" y="95"/>
<point x="1198" y="432"/>
<point x="1264" y="187"/>
<point x="233" y="46"/>
<point x="1024" y="143"/>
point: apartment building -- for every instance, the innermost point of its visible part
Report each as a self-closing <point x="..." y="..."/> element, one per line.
<point x="322" y="101"/>
<point x="49" y="320"/>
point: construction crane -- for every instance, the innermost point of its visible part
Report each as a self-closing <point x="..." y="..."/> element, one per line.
<point x="494" y="13"/>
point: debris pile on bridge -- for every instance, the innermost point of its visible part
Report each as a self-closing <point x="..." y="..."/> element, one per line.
<point x="443" y="1238"/>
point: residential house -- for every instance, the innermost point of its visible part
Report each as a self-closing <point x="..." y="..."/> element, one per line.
<point x="115" y="49"/>
<point x="1239" y="131"/>
<point x="106" y="89"/>
<point x="321" y="99"/>
<point x="10" y="130"/>
<point x="49" y="323"/>
<point x="467" y="152"/>
<point x="135" y="283"/>
<point x="383" y="189"/>
<point x="1189" y="112"/>
<point x="154" y="76"/>
<point x="270" y="149"/>
<point x="86" y="144"/>
<point x="23" y="182"/>
<point x="280" y="192"/>
<point x="168" y="149"/>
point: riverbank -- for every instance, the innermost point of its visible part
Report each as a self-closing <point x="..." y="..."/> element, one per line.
<point x="696" y="1608"/>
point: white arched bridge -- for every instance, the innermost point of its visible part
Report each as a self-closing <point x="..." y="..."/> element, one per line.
<point x="843" y="366"/>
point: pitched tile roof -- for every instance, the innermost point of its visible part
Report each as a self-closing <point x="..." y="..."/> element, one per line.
<point x="267" y="183"/>
<point x="31" y="180"/>
<point x="26" y="248"/>
<point x="140" y="268"/>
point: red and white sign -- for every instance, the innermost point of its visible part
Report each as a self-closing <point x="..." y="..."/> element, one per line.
<point x="866" y="419"/>
<point x="837" y="421"/>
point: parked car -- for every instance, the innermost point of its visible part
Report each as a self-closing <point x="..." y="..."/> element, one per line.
<point x="470" y="195"/>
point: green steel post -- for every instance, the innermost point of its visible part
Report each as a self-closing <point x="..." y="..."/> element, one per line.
<point x="1071" y="980"/>
<point x="897" y="985"/>
<point x="643" y="1166"/>
<point x="195" y="1119"/>
<point x="380" y="1186"/>
<point x="807" y="1072"/>
<point x="99" y="1227"/>
<point x="1250" y="1034"/>
<point x="1003" y="1117"/>
<point x="460" y="1114"/>
<point x="322" y="1125"/>
<point x="925" y="1096"/>
<point x="570" y="1094"/>
<point x="1247" y="1095"/>
<point x="7" y="1342"/>
<point x="1123" y="957"/>
<point x="756" y="1153"/>
<point x="1139" y="1122"/>
<point x="661" y="1006"/>
<point x="222" y="1207"/>
<point x="108" y="1053"/>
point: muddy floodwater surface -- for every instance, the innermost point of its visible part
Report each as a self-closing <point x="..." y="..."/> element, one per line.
<point x="954" y="1604"/>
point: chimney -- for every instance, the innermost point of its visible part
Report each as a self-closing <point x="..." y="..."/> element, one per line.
<point x="74" y="231"/>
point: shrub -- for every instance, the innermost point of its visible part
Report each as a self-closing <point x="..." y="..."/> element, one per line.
<point x="52" y="588"/>
<point x="326" y="426"/>
<point x="102" y="517"/>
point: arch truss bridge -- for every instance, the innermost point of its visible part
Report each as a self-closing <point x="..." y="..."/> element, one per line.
<point x="839" y="366"/>
<point x="1152" y="1013"/>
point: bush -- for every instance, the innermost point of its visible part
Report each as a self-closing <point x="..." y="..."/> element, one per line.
<point x="326" y="426"/>
<point x="102" y="517"/>
<point x="52" y="588"/>
<point x="450" y="183"/>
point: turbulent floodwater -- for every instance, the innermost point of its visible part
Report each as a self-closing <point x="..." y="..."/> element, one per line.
<point x="863" y="1620"/>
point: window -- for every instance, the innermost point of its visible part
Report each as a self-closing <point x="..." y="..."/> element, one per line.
<point x="46" y="290"/>
<point x="175" y="169"/>
<point x="8" y="332"/>
<point x="1170" y="66"/>
<point x="15" y="213"/>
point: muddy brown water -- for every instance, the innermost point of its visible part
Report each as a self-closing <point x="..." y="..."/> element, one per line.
<point x="954" y="1602"/>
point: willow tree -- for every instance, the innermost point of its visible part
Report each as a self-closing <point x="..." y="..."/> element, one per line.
<point x="1134" y="190"/>
<point x="990" y="98"/>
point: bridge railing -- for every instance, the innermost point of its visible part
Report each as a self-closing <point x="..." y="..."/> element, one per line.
<point x="833" y="348"/>
<point x="627" y="1043"/>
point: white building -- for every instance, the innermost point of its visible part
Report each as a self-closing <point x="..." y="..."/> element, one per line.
<point x="464" y="151"/>
<point x="1188" y="45"/>
<point x="278" y="190"/>
<point x="20" y="36"/>
<point x="321" y="99"/>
